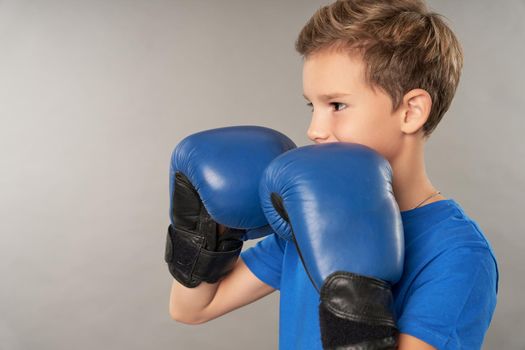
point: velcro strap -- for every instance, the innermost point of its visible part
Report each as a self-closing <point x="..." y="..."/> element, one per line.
<point x="191" y="264"/>
<point x="358" y="298"/>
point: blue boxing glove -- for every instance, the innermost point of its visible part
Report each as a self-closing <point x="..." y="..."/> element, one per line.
<point x="335" y="201"/>
<point x="214" y="179"/>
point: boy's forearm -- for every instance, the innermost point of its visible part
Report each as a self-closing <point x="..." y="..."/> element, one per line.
<point x="187" y="304"/>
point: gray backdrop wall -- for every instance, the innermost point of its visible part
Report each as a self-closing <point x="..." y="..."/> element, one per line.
<point x="95" y="94"/>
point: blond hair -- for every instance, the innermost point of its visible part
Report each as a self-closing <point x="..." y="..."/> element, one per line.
<point x="404" y="46"/>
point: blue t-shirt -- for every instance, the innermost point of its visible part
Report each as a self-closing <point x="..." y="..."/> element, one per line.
<point x="446" y="296"/>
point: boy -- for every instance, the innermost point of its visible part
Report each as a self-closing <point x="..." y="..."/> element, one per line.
<point x="382" y="74"/>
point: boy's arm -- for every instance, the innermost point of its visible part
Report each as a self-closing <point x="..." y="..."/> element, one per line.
<point x="408" y="342"/>
<point x="209" y="301"/>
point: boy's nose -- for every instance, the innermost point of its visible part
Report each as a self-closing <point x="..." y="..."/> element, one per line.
<point x="317" y="132"/>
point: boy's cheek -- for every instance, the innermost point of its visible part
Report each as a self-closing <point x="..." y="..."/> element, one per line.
<point x="346" y="131"/>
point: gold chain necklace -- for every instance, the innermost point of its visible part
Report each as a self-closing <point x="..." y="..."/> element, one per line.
<point x="432" y="195"/>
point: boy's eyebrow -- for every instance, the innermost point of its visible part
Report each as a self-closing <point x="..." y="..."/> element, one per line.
<point x="329" y="96"/>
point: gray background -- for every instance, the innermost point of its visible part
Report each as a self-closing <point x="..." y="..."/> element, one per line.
<point x="95" y="94"/>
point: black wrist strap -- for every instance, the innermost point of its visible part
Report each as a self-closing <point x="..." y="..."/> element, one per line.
<point x="190" y="263"/>
<point x="356" y="312"/>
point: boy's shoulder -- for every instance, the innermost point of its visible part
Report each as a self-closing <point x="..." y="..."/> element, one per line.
<point x="444" y="234"/>
<point x="444" y="221"/>
<point x="461" y="230"/>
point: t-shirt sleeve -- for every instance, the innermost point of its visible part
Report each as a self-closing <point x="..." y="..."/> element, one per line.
<point x="265" y="259"/>
<point x="451" y="303"/>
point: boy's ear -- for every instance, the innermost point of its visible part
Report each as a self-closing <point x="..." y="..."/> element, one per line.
<point x="414" y="110"/>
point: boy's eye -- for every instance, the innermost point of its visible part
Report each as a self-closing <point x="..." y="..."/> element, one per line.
<point x="336" y="104"/>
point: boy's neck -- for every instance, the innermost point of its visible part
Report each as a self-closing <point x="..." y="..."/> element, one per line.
<point x="411" y="184"/>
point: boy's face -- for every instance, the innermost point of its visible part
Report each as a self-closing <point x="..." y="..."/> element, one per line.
<point x="359" y="115"/>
